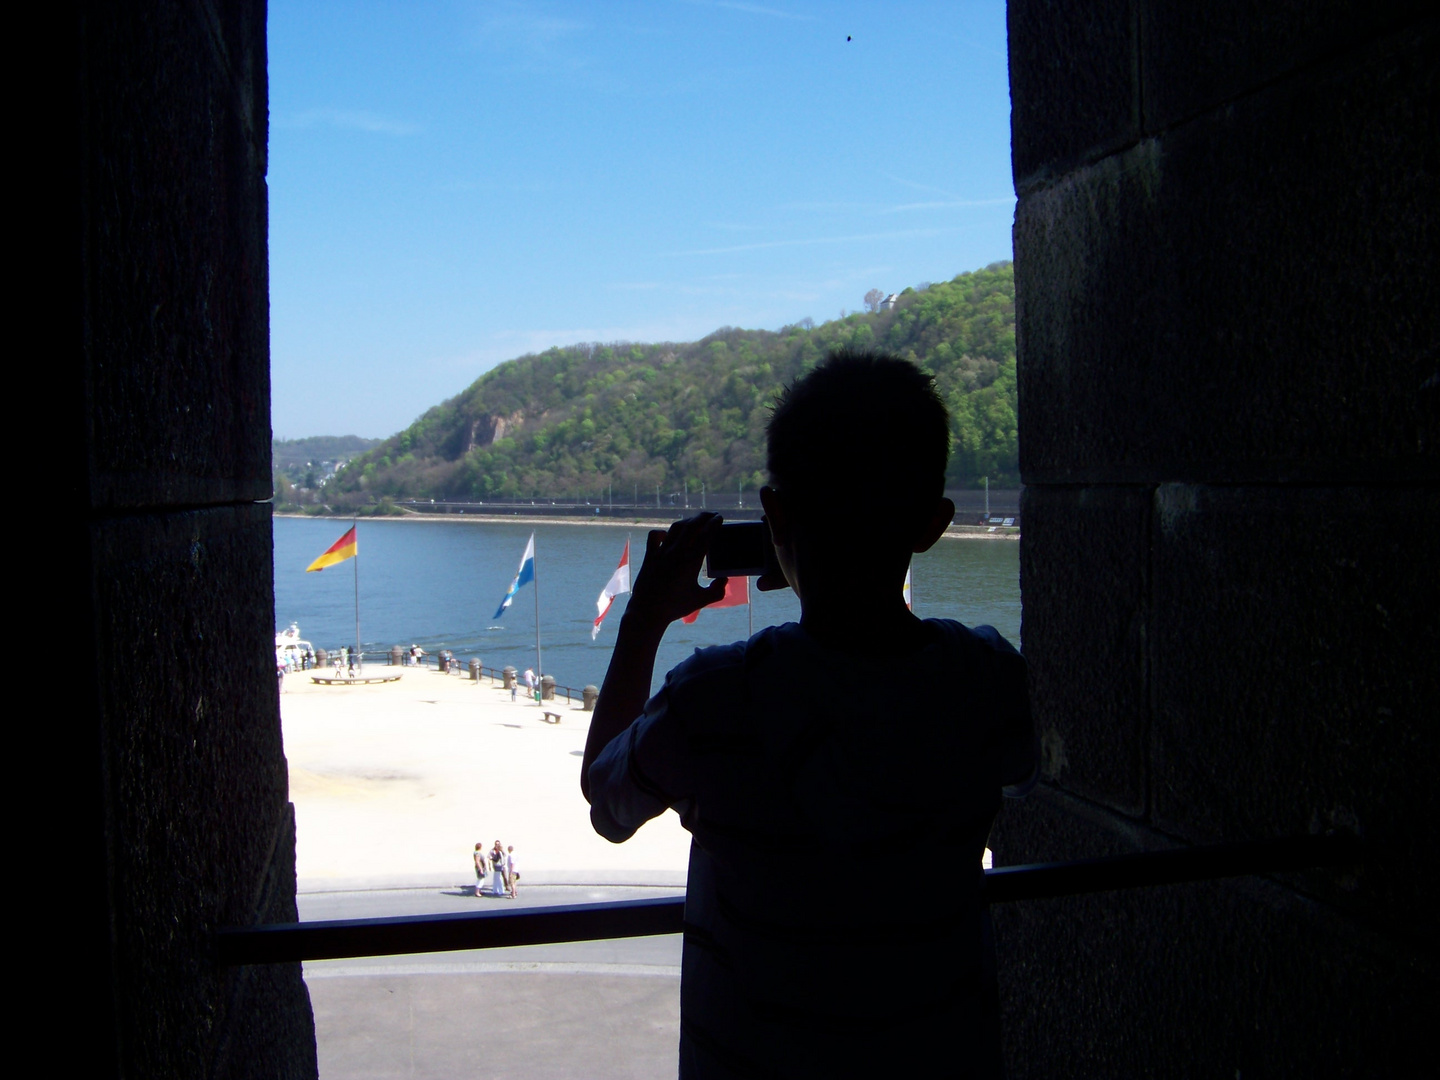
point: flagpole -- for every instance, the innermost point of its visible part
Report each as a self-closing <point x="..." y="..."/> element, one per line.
<point x="535" y="576"/>
<point x="750" y="606"/>
<point x="359" y="656"/>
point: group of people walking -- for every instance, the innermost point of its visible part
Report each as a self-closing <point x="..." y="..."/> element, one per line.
<point x="498" y="865"/>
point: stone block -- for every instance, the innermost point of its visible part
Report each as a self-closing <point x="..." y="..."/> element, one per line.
<point x="1074" y="86"/>
<point x="1240" y="977"/>
<point x="199" y="830"/>
<point x="175" y="291"/>
<point x="1253" y="297"/>
<point x="1295" y="679"/>
<point x="1084" y="586"/>
<point x="1198" y="56"/>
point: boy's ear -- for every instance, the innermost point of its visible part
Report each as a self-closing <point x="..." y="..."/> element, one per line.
<point x="935" y="528"/>
<point x="776" y="515"/>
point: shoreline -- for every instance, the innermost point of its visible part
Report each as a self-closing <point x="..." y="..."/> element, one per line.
<point x="954" y="532"/>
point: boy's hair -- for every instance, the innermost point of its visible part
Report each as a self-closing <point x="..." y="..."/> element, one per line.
<point x="867" y="423"/>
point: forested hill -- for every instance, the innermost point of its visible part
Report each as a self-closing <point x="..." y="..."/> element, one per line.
<point x="568" y="422"/>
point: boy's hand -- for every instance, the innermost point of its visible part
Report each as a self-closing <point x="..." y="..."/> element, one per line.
<point x="667" y="587"/>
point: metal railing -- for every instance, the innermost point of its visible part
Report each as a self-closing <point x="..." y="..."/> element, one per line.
<point x="459" y="667"/>
<point x="290" y="942"/>
<point x="498" y="675"/>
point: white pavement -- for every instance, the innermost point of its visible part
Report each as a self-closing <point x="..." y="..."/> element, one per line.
<point x="394" y="785"/>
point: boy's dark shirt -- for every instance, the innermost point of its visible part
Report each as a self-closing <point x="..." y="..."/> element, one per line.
<point x="782" y="759"/>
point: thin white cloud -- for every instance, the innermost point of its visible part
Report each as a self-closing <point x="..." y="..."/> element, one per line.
<point x="520" y="28"/>
<point x="752" y="9"/>
<point x="347" y="120"/>
<point x="680" y="288"/>
<point x="894" y="234"/>
<point x="948" y="204"/>
<point x="932" y="189"/>
<point x="827" y="207"/>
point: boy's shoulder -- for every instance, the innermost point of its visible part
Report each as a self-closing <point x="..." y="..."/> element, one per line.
<point x="784" y="654"/>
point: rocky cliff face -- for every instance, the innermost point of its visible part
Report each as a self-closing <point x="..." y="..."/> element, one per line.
<point x="487" y="430"/>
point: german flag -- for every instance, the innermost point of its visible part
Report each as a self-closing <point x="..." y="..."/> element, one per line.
<point x="338" y="552"/>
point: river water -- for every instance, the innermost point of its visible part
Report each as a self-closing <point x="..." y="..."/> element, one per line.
<point x="437" y="584"/>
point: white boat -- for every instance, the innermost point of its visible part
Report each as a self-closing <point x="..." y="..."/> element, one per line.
<point x="291" y="650"/>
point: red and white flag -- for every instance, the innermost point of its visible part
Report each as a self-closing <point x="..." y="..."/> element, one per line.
<point x="619" y="583"/>
<point x="737" y="592"/>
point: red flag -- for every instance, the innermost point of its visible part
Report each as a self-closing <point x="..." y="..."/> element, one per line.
<point x="737" y="592"/>
<point x="619" y="583"/>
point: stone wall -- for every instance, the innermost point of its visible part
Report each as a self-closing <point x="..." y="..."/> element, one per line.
<point x="1226" y="253"/>
<point x="173" y="815"/>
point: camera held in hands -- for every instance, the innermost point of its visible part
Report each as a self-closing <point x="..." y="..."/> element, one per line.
<point x="741" y="549"/>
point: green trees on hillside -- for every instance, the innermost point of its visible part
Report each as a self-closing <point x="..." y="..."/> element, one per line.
<point x="578" y="421"/>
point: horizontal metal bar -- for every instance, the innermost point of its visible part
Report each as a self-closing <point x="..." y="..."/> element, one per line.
<point x="289" y="942"/>
<point x="448" y="933"/>
<point x="1040" y="881"/>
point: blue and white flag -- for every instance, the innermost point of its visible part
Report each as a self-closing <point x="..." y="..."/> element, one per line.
<point x="523" y="576"/>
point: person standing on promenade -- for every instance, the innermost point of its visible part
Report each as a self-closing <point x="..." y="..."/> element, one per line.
<point x="480" y="867"/>
<point x="497" y="870"/>
<point x="510" y="876"/>
<point x="778" y="781"/>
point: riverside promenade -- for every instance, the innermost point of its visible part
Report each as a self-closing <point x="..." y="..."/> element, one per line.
<point x="394" y="784"/>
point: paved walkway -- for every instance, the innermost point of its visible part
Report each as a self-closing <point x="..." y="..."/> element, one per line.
<point x="590" y="1009"/>
<point x="509" y="1027"/>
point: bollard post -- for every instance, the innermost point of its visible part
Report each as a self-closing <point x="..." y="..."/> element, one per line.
<point x="592" y="695"/>
<point x="547" y="688"/>
<point x="397" y="656"/>
<point x="508" y="675"/>
<point x="475" y="669"/>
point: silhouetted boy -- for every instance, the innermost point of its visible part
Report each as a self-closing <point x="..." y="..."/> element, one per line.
<point x="786" y="753"/>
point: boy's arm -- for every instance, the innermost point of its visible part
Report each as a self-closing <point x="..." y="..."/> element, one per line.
<point x="666" y="589"/>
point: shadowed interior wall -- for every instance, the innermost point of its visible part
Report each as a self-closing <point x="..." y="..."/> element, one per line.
<point x="1225" y="252"/>
<point x="177" y="819"/>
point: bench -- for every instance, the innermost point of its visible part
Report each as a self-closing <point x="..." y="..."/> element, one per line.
<point x="551" y="717"/>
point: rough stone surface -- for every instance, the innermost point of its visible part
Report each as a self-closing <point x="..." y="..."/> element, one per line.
<point x="1238" y="977"/>
<point x="1083" y="581"/>
<point x="1074" y="87"/>
<point x="1254" y="296"/>
<point x="201" y="834"/>
<point x="1230" y="432"/>
<point x="175" y="819"/>
<point x="1198" y="56"/>
<point x="1296" y="661"/>
<point x="175" y="279"/>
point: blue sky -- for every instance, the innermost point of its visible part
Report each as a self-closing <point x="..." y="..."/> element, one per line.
<point x="455" y="184"/>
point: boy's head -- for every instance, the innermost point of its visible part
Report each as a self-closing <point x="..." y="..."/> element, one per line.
<point x="863" y="427"/>
<point x="857" y="450"/>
